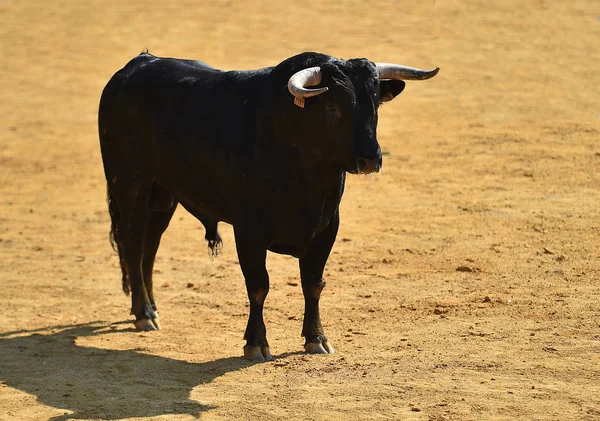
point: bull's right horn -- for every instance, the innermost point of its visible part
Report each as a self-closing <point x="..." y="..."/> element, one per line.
<point x="399" y="72"/>
<point x="306" y="77"/>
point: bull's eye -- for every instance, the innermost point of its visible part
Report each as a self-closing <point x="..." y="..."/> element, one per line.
<point x="334" y="111"/>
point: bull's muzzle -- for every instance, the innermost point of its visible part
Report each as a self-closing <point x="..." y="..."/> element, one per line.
<point x="369" y="165"/>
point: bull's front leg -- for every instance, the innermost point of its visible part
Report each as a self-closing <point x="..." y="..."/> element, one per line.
<point x="312" y="266"/>
<point x="252" y="259"/>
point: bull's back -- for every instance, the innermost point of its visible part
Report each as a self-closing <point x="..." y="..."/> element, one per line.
<point x="160" y="119"/>
<point x="148" y="82"/>
<point x="151" y="102"/>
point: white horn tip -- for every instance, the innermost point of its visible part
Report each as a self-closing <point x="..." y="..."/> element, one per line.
<point x="431" y="73"/>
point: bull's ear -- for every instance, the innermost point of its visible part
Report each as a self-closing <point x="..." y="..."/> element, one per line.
<point x="388" y="89"/>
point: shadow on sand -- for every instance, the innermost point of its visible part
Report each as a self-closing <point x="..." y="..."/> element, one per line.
<point x="99" y="383"/>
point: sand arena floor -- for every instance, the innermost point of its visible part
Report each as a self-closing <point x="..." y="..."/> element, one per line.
<point x="493" y="166"/>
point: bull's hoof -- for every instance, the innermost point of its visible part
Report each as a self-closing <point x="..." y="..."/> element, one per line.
<point x="146" y="325"/>
<point x="319" y="348"/>
<point x="257" y="353"/>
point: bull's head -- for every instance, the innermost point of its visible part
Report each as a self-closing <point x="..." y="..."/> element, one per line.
<point x="346" y="96"/>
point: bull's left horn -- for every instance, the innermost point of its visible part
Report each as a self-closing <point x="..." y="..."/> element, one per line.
<point x="306" y="77"/>
<point x="399" y="72"/>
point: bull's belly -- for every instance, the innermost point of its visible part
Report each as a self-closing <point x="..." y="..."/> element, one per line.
<point x="288" y="250"/>
<point x="204" y="200"/>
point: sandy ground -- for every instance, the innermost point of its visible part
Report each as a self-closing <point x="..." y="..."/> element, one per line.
<point x="491" y="166"/>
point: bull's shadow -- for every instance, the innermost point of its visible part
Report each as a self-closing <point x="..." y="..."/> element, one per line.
<point x="100" y="383"/>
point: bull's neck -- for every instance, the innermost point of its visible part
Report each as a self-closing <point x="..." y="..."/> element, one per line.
<point x="300" y="170"/>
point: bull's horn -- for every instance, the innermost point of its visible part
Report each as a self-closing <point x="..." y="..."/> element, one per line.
<point x="396" y="71"/>
<point x="306" y="77"/>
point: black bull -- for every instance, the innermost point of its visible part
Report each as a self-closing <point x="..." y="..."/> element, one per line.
<point x="266" y="151"/>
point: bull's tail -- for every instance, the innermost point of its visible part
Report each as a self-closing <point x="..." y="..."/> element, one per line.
<point x="115" y="240"/>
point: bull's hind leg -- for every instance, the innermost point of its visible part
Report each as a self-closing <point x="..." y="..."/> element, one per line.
<point x="134" y="219"/>
<point x="162" y="208"/>
<point x="312" y="266"/>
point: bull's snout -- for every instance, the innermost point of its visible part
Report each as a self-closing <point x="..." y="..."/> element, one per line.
<point x="369" y="165"/>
